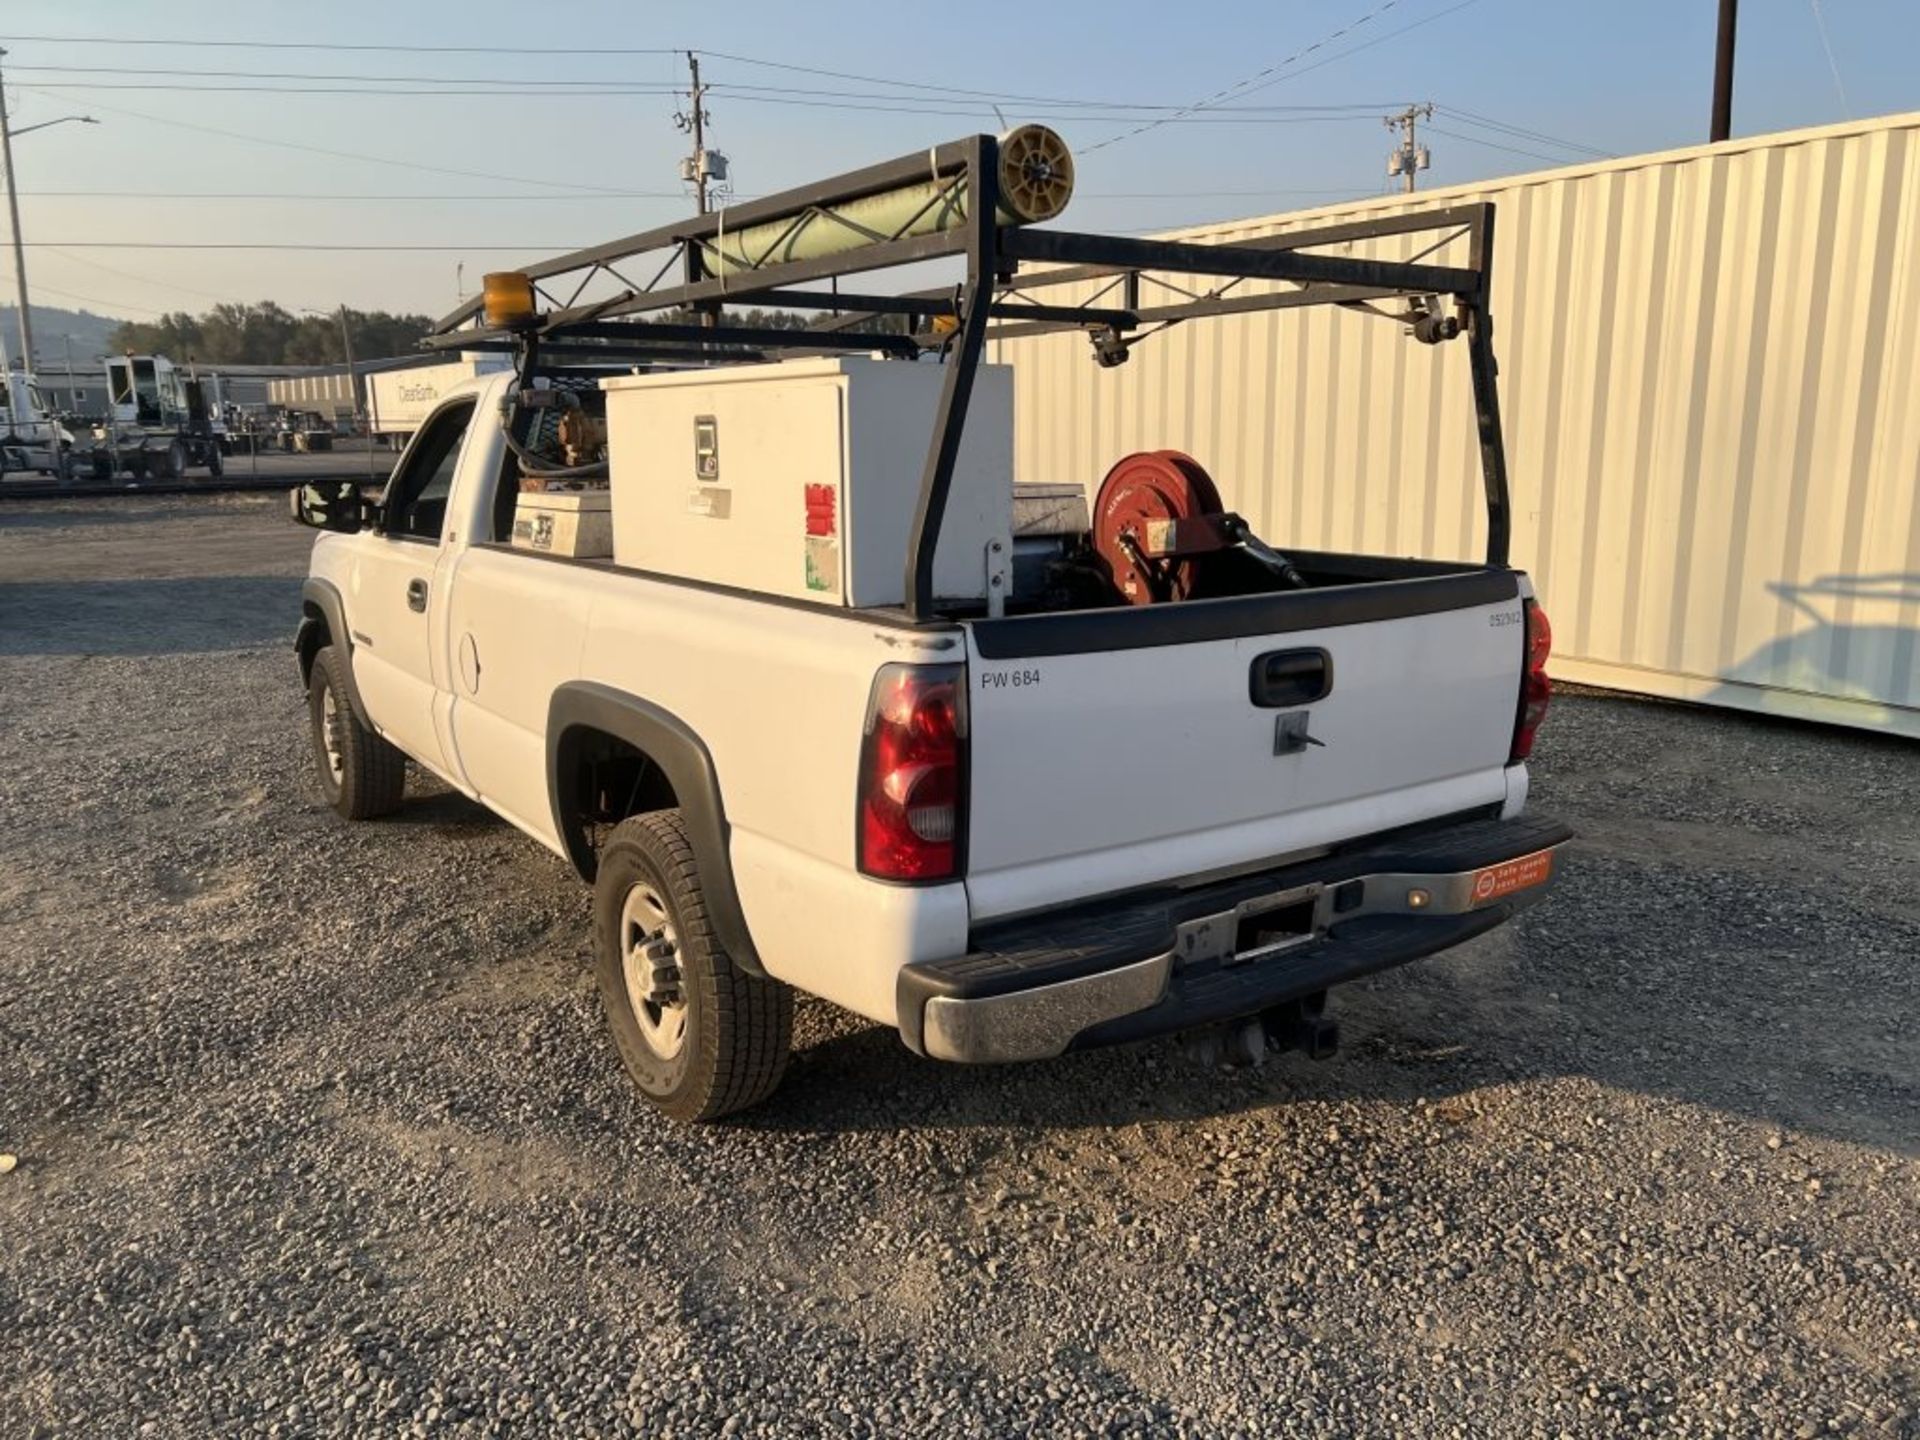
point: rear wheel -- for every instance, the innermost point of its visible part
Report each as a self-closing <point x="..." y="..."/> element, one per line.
<point x="700" y="1037"/>
<point x="361" y="775"/>
<point x="216" y="464"/>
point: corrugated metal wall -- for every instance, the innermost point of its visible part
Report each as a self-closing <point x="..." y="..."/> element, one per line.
<point x="1710" y="375"/>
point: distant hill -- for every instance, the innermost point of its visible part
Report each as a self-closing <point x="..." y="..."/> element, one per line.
<point x="51" y="325"/>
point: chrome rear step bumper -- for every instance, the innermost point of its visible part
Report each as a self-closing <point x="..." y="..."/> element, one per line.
<point x="1130" y="967"/>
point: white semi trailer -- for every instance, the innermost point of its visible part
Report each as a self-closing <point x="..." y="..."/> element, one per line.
<point x="398" y="400"/>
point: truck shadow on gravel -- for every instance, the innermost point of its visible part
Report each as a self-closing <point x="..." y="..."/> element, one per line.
<point x="1407" y="1044"/>
<point x="156" y="616"/>
<point x="1633" y="979"/>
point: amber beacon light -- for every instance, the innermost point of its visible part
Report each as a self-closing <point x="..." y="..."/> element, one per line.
<point x="509" y="299"/>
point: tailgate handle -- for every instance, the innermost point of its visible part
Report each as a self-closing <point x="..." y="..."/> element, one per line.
<point x="1290" y="677"/>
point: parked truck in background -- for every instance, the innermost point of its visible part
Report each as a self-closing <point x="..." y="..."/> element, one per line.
<point x="160" y="422"/>
<point x="1071" y="776"/>
<point x="32" y="436"/>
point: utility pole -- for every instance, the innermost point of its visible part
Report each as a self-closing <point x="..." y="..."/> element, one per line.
<point x="346" y="345"/>
<point x="19" y="250"/>
<point x="1411" y="156"/>
<point x="704" y="168"/>
<point x="1721" y="125"/>
<point x="73" y="396"/>
<point x="699" y="121"/>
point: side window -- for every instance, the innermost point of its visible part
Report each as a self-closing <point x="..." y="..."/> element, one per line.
<point x="417" y="494"/>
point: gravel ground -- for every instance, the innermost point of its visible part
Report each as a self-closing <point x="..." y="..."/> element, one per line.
<point x="318" y="1131"/>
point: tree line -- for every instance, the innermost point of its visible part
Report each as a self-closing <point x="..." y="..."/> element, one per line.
<point x="268" y="334"/>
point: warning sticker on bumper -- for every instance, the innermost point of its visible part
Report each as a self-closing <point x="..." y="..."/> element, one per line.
<point x="1497" y="881"/>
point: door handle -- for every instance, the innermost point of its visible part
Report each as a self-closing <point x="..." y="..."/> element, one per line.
<point x="416" y="595"/>
<point x="1290" y="677"/>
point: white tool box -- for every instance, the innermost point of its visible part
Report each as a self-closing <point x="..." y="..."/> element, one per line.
<point x="801" y="478"/>
<point x="578" y="523"/>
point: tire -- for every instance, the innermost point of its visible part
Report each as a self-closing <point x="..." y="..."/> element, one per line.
<point x="216" y="466"/>
<point x="361" y="775"/>
<point x="729" y="1046"/>
<point x="173" y="465"/>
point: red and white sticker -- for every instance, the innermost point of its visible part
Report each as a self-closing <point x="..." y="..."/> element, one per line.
<point x="822" y="503"/>
<point x="1503" y="879"/>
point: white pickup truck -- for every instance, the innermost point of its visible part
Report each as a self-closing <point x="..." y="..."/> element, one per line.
<point x="1005" y="829"/>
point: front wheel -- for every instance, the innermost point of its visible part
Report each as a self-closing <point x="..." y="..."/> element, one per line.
<point x="362" y="776"/>
<point x="700" y="1037"/>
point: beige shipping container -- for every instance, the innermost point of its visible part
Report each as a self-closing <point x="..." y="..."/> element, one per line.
<point x="1710" y="382"/>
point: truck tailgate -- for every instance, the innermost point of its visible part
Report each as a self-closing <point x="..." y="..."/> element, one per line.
<point x="1118" y="748"/>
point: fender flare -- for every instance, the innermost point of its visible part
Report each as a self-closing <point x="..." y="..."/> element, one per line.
<point x="324" y="596"/>
<point x="581" y="706"/>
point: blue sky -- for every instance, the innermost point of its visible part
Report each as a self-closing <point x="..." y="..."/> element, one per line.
<point x="1617" y="77"/>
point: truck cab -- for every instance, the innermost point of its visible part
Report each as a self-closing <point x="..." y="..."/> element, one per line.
<point x="159" y="422"/>
<point x="32" y="437"/>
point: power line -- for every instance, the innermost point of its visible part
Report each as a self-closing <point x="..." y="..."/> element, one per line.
<point x="201" y="72"/>
<point x="1340" y="55"/>
<point x="871" y="79"/>
<point x="89" y="86"/>
<point x="1521" y="132"/>
<point x="92" y="300"/>
<point x="1240" y="85"/>
<point x="339" y="154"/>
<point x="638" y="87"/>
<point x="1224" y="115"/>
<point x="1368" y="106"/>
<point x="1208" y="194"/>
<point x="289" y="245"/>
<point x="390" y="199"/>
<point x="1826" y="43"/>
<point x="1495" y="145"/>
<point x="621" y="195"/>
<point x="148" y="279"/>
<point x="324" y="45"/>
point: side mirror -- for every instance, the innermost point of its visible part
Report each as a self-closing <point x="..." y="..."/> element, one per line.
<point x="329" y="505"/>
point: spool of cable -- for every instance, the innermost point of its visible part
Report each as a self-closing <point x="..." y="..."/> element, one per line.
<point x="1036" y="181"/>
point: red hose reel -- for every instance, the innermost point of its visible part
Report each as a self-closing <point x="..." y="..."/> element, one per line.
<point x="1155" y="511"/>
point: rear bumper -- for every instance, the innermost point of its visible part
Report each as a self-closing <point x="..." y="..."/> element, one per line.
<point x="1135" y="966"/>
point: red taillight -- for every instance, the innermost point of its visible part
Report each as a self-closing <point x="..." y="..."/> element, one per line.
<point x="913" y="774"/>
<point x="1536" y="691"/>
